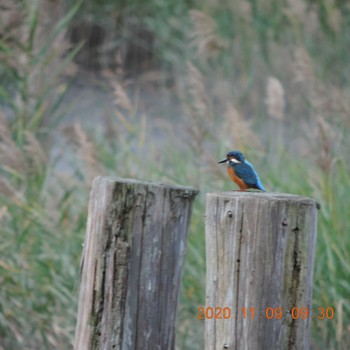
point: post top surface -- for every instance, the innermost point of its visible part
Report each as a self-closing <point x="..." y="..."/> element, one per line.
<point x="254" y="195"/>
<point x="114" y="179"/>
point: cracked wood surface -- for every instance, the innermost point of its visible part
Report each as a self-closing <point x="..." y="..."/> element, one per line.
<point x="260" y="253"/>
<point x="131" y="264"/>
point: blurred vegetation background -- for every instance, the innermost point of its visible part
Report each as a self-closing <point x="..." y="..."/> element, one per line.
<point x="160" y="90"/>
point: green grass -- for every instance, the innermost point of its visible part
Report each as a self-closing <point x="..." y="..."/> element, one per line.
<point x="43" y="212"/>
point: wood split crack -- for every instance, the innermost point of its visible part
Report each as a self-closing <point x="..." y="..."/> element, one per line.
<point x="295" y="286"/>
<point x="238" y="261"/>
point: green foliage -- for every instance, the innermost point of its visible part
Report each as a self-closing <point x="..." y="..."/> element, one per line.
<point x="38" y="217"/>
<point x="234" y="47"/>
<point x="30" y="68"/>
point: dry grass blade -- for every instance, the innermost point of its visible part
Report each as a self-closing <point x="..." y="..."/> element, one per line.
<point x="195" y="104"/>
<point x="275" y="98"/>
<point x="245" y="10"/>
<point x="16" y="159"/>
<point x="196" y="90"/>
<point x="339" y="331"/>
<point x="325" y="99"/>
<point x="121" y="99"/>
<point x="3" y="211"/>
<point x="305" y="74"/>
<point x="335" y="18"/>
<point x="204" y="38"/>
<point x="6" y="189"/>
<point x="86" y="151"/>
<point x="297" y="8"/>
<point x="337" y="103"/>
<point x="10" y="19"/>
<point x="324" y="136"/>
<point x="238" y="131"/>
<point x="304" y="71"/>
<point x="35" y="150"/>
<point x="12" y="157"/>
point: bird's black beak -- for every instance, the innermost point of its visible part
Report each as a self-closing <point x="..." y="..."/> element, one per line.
<point x="223" y="161"/>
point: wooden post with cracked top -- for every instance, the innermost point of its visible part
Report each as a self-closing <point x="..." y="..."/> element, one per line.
<point x="131" y="265"/>
<point x="260" y="259"/>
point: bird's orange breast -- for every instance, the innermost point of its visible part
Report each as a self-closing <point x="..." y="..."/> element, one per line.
<point x="231" y="172"/>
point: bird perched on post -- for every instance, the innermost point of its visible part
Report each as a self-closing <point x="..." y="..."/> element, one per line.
<point x="242" y="172"/>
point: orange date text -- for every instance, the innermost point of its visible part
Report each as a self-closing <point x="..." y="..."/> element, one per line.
<point x="269" y="313"/>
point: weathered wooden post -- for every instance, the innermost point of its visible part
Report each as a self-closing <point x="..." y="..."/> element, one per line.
<point x="260" y="258"/>
<point x="132" y="262"/>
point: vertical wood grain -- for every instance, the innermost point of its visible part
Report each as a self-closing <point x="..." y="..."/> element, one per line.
<point x="131" y="265"/>
<point x="260" y="254"/>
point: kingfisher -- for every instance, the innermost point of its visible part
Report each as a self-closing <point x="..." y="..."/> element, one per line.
<point x="242" y="172"/>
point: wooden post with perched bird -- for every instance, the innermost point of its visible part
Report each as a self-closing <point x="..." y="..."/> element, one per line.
<point x="131" y="265"/>
<point x="260" y="260"/>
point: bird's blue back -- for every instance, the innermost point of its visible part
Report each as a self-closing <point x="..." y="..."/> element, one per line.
<point x="247" y="173"/>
